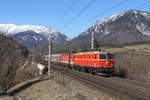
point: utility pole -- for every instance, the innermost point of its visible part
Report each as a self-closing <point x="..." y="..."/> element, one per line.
<point x="49" y="60"/>
<point x="92" y="41"/>
<point x="40" y="51"/>
<point x="69" y="53"/>
<point x="33" y="56"/>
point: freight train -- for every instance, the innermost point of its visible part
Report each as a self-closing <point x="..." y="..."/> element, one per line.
<point x="93" y="62"/>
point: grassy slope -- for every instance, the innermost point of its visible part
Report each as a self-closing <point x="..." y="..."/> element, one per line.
<point x="136" y="48"/>
<point x="133" y="62"/>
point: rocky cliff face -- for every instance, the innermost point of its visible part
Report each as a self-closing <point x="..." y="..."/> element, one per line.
<point x="128" y="26"/>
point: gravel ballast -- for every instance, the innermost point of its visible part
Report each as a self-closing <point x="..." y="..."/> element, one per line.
<point x="60" y="87"/>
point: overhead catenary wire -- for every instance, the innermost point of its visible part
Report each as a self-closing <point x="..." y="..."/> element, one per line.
<point x="75" y="17"/>
<point x="104" y="12"/>
<point x="110" y="9"/>
<point x="60" y="19"/>
<point x="68" y="10"/>
<point x="119" y="4"/>
<point x="115" y="6"/>
<point x="65" y="12"/>
<point x="147" y="10"/>
<point x="141" y="5"/>
<point x="142" y="9"/>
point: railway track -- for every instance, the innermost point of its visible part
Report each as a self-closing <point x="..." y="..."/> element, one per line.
<point x="127" y="89"/>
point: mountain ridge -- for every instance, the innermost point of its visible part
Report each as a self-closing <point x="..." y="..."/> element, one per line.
<point x="37" y="35"/>
<point x="128" y="26"/>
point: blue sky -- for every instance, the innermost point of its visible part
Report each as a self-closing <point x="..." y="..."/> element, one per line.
<point x="49" y="13"/>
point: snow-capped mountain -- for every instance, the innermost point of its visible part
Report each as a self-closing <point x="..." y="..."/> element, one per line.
<point x="31" y="35"/>
<point x="128" y="26"/>
<point x="11" y="29"/>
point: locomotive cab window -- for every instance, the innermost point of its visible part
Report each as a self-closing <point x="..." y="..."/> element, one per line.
<point x="110" y="56"/>
<point x="73" y="57"/>
<point x="95" y="56"/>
<point x="102" y="56"/>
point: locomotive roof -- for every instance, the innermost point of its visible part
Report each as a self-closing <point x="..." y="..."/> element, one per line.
<point x="100" y="52"/>
<point x="91" y="52"/>
<point x="53" y="55"/>
<point x="56" y="54"/>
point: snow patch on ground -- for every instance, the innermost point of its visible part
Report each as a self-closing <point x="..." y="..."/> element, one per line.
<point x="147" y="15"/>
<point x="142" y="28"/>
<point x="35" y="38"/>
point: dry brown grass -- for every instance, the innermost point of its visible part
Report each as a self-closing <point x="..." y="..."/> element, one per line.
<point x="133" y="66"/>
<point x="136" y="48"/>
<point x="132" y="62"/>
<point x="54" y="89"/>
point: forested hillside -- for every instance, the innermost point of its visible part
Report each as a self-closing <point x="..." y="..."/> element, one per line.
<point x="12" y="56"/>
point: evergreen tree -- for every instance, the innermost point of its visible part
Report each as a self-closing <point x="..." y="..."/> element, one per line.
<point x="96" y="45"/>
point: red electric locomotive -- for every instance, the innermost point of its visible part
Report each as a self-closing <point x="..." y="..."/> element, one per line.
<point x="94" y="62"/>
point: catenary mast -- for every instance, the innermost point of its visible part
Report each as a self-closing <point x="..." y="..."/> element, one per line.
<point x="49" y="57"/>
<point x="92" y="41"/>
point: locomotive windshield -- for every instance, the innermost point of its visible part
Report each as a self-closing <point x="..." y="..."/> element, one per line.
<point x="110" y="56"/>
<point x="102" y="56"/>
